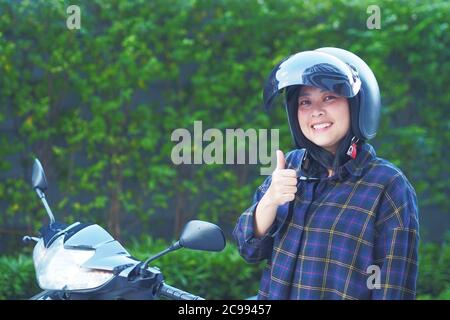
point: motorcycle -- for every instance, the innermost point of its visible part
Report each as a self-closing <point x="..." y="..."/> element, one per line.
<point x="83" y="261"/>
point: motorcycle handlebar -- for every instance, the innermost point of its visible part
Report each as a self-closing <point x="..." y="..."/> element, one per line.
<point x="173" y="293"/>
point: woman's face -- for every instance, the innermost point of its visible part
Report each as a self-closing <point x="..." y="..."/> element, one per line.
<point x="323" y="116"/>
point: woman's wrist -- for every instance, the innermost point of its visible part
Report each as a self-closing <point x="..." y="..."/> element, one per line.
<point x="267" y="201"/>
<point x="264" y="215"/>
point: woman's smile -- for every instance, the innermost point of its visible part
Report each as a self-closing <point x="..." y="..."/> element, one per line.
<point x="322" y="126"/>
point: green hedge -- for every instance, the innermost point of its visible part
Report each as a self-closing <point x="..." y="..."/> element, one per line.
<point x="434" y="272"/>
<point x="98" y="105"/>
<point x="17" y="278"/>
<point x="221" y="275"/>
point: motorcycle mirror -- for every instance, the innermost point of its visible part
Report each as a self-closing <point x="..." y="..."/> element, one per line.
<point x="38" y="179"/>
<point x="196" y="235"/>
<point x="39" y="183"/>
<point x="201" y="235"/>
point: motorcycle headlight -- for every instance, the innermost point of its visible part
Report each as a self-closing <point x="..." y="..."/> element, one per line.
<point x="58" y="268"/>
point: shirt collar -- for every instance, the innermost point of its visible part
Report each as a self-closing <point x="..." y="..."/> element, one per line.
<point x="366" y="153"/>
<point x="356" y="166"/>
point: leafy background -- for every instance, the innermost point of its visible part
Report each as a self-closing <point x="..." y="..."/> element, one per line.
<point x="98" y="106"/>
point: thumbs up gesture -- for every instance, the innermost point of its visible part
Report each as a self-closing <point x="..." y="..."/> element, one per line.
<point x="284" y="183"/>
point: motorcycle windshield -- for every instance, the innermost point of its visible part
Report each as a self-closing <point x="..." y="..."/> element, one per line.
<point x="90" y="237"/>
<point x="312" y="68"/>
<point x="109" y="253"/>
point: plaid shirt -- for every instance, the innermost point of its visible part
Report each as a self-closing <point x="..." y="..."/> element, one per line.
<point x="342" y="230"/>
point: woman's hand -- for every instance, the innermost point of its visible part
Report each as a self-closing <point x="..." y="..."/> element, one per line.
<point x="284" y="183"/>
<point x="282" y="189"/>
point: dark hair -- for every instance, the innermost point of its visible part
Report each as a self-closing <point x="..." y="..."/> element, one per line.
<point x="323" y="159"/>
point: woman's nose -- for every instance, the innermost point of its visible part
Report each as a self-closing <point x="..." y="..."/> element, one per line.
<point x="317" y="111"/>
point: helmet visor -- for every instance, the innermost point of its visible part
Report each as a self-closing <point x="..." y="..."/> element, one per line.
<point x="315" y="69"/>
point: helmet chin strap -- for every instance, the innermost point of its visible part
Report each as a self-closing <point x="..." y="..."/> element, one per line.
<point x="352" y="149"/>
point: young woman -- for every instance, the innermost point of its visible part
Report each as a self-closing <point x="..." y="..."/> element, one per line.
<point x="333" y="221"/>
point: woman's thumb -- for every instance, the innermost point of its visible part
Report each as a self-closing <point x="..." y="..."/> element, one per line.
<point x="281" y="161"/>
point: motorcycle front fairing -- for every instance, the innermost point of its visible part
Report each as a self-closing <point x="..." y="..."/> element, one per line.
<point x="81" y="257"/>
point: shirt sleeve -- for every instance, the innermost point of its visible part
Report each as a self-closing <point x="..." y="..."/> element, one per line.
<point x="254" y="249"/>
<point x="397" y="241"/>
<point x="251" y="248"/>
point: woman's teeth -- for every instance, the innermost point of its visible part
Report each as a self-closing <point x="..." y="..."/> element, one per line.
<point x="321" y="125"/>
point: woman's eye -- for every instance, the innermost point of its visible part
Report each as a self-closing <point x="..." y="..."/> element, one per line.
<point x="303" y="103"/>
<point x="328" y="98"/>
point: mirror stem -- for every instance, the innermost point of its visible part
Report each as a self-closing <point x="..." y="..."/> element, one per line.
<point x="173" y="247"/>
<point x="41" y="196"/>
